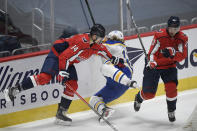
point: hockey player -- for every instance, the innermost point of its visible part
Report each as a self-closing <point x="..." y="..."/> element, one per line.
<point x="118" y="75"/>
<point x="168" y="47"/>
<point x="64" y="53"/>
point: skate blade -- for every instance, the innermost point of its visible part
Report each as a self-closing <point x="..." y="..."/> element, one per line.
<point x="111" y="112"/>
<point x="7" y="98"/>
<point x="63" y="123"/>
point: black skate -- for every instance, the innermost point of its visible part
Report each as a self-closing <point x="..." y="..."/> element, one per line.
<point x="107" y="113"/>
<point x="11" y="92"/>
<point x="61" y="118"/>
<point x="137" y="104"/>
<point x="171" y="116"/>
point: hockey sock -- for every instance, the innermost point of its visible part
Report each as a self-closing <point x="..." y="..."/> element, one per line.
<point x="65" y="103"/>
<point x="35" y="80"/>
<point x="27" y="84"/>
<point x="171" y="105"/>
<point x="97" y="103"/>
<point x="70" y="86"/>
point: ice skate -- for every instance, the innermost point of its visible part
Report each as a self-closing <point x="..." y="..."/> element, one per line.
<point x="137" y="104"/>
<point x="61" y="118"/>
<point x="11" y="92"/>
<point x="171" y="116"/>
<point x="107" y="113"/>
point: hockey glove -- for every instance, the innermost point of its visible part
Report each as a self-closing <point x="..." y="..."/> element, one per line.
<point x="63" y="76"/>
<point x="169" y="52"/>
<point x="116" y="60"/>
<point x="151" y="64"/>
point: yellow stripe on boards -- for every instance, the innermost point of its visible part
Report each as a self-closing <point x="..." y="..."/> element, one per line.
<point x="27" y="115"/>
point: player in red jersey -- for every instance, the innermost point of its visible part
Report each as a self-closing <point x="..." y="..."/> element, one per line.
<point x="168" y="47"/>
<point x="59" y="63"/>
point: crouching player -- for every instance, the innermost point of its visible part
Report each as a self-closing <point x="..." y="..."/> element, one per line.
<point x="118" y="75"/>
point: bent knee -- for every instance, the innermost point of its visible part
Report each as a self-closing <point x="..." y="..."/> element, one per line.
<point x="147" y="95"/>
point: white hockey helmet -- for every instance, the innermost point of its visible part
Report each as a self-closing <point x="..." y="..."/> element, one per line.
<point x="116" y="35"/>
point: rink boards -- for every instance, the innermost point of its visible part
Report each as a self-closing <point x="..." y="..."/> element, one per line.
<point x="41" y="102"/>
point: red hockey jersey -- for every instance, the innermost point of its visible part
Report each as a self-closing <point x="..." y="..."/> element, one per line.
<point x="162" y="40"/>
<point x="77" y="48"/>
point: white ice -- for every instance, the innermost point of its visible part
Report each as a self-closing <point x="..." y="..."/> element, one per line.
<point x="152" y="116"/>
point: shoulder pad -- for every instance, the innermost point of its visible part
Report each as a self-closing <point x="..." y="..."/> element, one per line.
<point x="161" y="33"/>
<point x="183" y="36"/>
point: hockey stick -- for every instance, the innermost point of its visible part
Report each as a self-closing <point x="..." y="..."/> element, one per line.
<point x="84" y="14"/>
<point x="112" y="126"/>
<point x="136" y="28"/>
<point x="91" y="15"/>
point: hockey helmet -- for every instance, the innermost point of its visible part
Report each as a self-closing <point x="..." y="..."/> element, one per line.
<point x="98" y="30"/>
<point x="116" y="35"/>
<point x="174" y="21"/>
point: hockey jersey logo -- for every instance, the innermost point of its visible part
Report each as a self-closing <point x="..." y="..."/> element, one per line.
<point x="84" y="39"/>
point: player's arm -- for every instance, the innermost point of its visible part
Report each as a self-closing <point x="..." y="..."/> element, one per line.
<point x="104" y="52"/>
<point x="64" y="49"/>
<point x="181" y="54"/>
<point x="64" y="58"/>
<point x="153" y="55"/>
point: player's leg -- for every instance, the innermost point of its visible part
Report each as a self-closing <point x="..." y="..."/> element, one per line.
<point x="169" y="76"/>
<point x="48" y="70"/>
<point x="99" y="105"/>
<point x="111" y="91"/>
<point x="117" y="75"/>
<point x="149" y="87"/>
<point x="67" y="97"/>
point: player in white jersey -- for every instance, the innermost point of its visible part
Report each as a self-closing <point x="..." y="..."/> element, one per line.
<point x="118" y="75"/>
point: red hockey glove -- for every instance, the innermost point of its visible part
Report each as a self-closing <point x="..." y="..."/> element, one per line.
<point x="169" y="52"/>
<point x="151" y="64"/>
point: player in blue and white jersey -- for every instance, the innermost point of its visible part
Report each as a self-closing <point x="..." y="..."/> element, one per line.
<point x="118" y="75"/>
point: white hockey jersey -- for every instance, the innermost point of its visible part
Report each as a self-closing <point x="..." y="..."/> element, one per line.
<point x="118" y="49"/>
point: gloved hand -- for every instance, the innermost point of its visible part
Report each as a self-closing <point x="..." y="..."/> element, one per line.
<point x="62" y="76"/>
<point x="169" y="52"/>
<point x="115" y="60"/>
<point x="151" y="64"/>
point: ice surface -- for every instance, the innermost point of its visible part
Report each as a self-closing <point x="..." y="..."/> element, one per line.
<point x="151" y="117"/>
